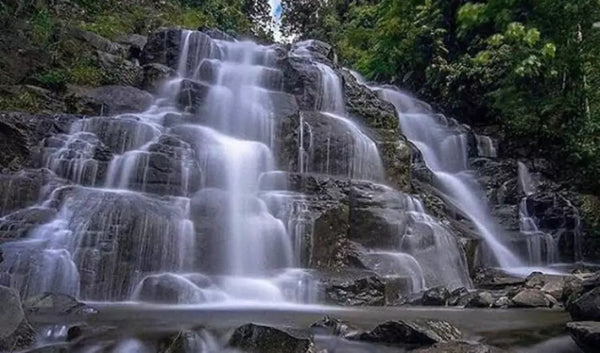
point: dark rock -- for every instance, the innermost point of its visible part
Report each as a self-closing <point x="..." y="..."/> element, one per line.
<point x="192" y="95"/>
<point x="411" y="333"/>
<point x="353" y="288"/>
<point x="530" y="298"/>
<point x="586" y="334"/>
<point x="481" y="300"/>
<point x="98" y="42"/>
<point x="459" y="347"/>
<point x="125" y="72"/>
<point x="217" y="34"/>
<point x="15" y="331"/>
<point x="437" y="296"/>
<point x="21" y="133"/>
<point x="30" y="98"/>
<point x="365" y="105"/>
<point x="553" y="285"/>
<point x="253" y="338"/>
<point x="586" y="307"/>
<point x="488" y="278"/>
<point x="154" y="75"/>
<point x="135" y="43"/>
<point x="162" y="47"/>
<point x="24" y="189"/>
<point x="459" y="297"/>
<point x="18" y="224"/>
<point x="108" y="100"/>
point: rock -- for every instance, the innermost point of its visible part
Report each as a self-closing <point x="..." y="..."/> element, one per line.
<point x="125" y="72"/>
<point x="530" y="298"/>
<point x="108" y="100"/>
<point x="18" y="224"/>
<point x="56" y="304"/>
<point x="481" y="300"/>
<point x="30" y="98"/>
<point x="437" y="296"/>
<point x="135" y="42"/>
<point x="21" y="133"/>
<point x="217" y="34"/>
<point x="354" y="288"/>
<point x="98" y="42"/>
<point x="503" y="303"/>
<point x="253" y="338"/>
<point x="162" y="47"/>
<point x="171" y="288"/>
<point x="410" y="333"/>
<point x="459" y="297"/>
<point x="488" y="278"/>
<point x="586" y="334"/>
<point x="24" y="189"/>
<point x="333" y="327"/>
<point x="459" y="347"/>
<point x="15" y="331"/>
<point x="550" y="284"/>
<point x="367" y="106"/>
<point x="192" y="95"/>
<point x="586" y="307"/>
<point x="154" y="75"/>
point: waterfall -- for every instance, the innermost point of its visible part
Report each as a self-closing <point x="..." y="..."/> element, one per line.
<point x="444" y="150"/>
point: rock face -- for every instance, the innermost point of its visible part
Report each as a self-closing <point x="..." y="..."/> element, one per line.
<point x="531" y="298"/>
<point x="437" y="296"/>
<point x="411" y="333"/>
<point x="15" y="331"/>
<point x="108" y="100"/>
<point x="459" y="347"/>
<point x="253" y="338"/>
<point x="586" y="334"/>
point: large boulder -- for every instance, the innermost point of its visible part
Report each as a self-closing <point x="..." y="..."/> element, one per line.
<point x="587" y="306"/>
<point x="154" y="75"/>
<point x="252" y="338"/>
<point x="124" y="72"/>
<point x="162" y="47"/>
<point x="586" y="334"/>
<point x="531" y="298"/>
<point x="353" y="288"/>
<point x="108" y="100"/>
<point x="26" y="188"/>
<point x="411" y="333"/>
<point x="15" y="331"/>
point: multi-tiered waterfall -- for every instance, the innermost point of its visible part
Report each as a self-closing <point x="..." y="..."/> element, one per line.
<point x="185" y="203"/>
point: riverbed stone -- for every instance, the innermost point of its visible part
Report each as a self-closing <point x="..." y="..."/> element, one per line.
<point x="459" y="347"/>
<point x="586" y="334"/>
<point x="253" y="338"/>
<point x="586" y="307"/>
<point x="437" y="296"/>
<point x="410" y="333"/>
<point x="482" y="299"/>
<point x="530" y="298"/>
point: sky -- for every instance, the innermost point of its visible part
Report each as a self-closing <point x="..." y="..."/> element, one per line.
<point x="276" y="8"/>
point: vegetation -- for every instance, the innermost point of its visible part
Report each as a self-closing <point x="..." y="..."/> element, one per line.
<point x="530" y="66"/>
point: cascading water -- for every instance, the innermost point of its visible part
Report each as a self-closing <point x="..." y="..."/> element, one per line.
<point x="210" y="237"/>
<point x="444" y="150"/>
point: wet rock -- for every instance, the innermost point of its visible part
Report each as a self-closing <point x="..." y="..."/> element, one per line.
<point x="108" y="100"/>
<point x="21" y="133"/>
<point x="586" y="334"/>
<point x="410" y="333"/>
<point x="586" y="307"/>
<point x="353" y="288"/>
<point x="253" y="338"/>
<point x="437" y="296"/>
<point x="459" y="347"/>
<point x="333" y="327"/>
<point x="192" y="95"/>
<point x="459" y="297"/>
<point x="15" y="331"/>
<point x="169" y="288"/>
<point x="20" y="223"/>
<point x="154" y="75"/>
<point x="488" y="278"/>
<point x="217" y="34"/>
<point x="395" y="155"/>
<point x="530" y="298"/>
<point x="162" y="47"/>
<point x="481" y="300"/>
<point x="24" y="189"/>
<point x="56" y="304"/>
<point x="365" y="105"/>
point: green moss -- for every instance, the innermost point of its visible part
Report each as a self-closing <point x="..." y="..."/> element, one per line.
<point x="23" y="101"/>
<point x="55" y="79"/>
<point x="42" y="27"/>
<point x="88" y="75"/>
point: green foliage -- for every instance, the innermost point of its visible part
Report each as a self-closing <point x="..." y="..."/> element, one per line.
<point x="42" y="27"/>
<point x="55" y="79"/>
